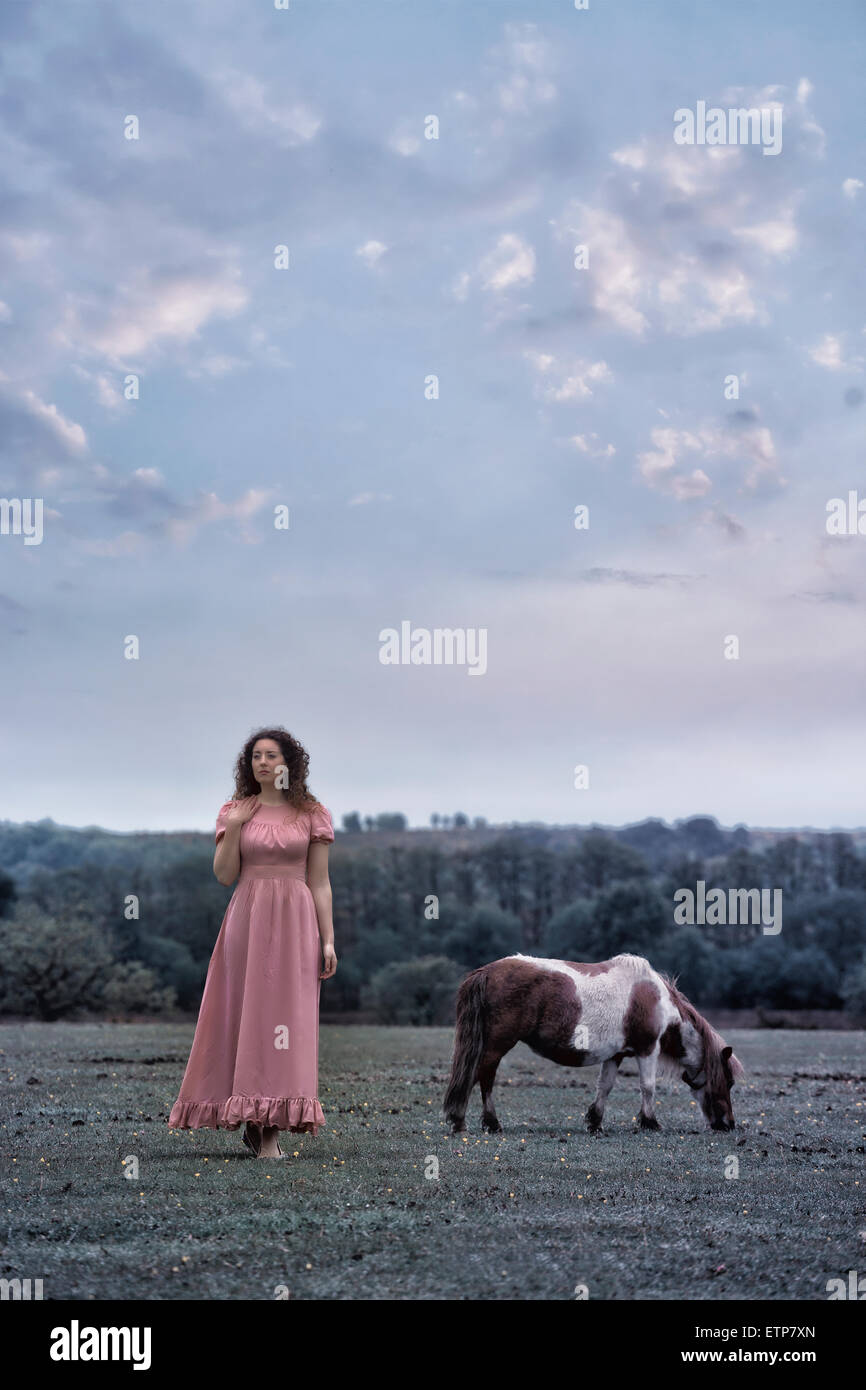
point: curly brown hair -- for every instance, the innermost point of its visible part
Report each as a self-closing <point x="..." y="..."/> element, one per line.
<point x="296" y="759"/>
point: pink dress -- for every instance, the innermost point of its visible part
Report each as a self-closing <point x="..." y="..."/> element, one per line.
<point x="255" y="1054"/>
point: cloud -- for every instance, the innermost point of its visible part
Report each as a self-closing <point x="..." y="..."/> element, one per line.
<point x="40" y="442"/>
<point x="681" y="238"/>
<point x="70" y="433"/>
<point x="615" y="269"/>
<point x="733" y="529"/>
<point x="666" y="466"/>
<point x="510" y="263"/>
<point x="774" y="237"/>
<point x="828" y="353"/>
<point x="632" y="156"/>
<point x="371" y="252"/>
<point x="589" y="445"/>
<point x="809" y="125"/>
<point x="851" y="187"/>
<point x="635" y="579"/>
<point x="527" y="63"/>
<point x="263" y="113"/>
<point x="637" y="282"/>
<point x="106" y="390"/>
<point x="157" y="308"/>
<point x="576" y="379"/>
<point x="48" y="454"/>
<point x="207" y="508"/>
<point x="826" y="596"/>
<point x="218" y="364"/>
<point x="363" y="499"/>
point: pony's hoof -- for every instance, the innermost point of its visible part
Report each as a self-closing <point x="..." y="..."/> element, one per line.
<point x="649" y="1122"/>
<point x="492" y="1127"/>
<point x="593" y="1120"/>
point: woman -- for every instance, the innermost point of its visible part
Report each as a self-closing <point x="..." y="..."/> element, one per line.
<point x="255" y="1054"/>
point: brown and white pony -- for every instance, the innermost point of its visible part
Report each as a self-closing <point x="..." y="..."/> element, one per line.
<point x="580" y="1015"/>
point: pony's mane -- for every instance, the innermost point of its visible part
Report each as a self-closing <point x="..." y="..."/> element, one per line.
<point x="712" y="1041"/>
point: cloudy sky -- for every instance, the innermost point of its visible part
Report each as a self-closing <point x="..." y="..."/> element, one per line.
<point x="431" y="387"/>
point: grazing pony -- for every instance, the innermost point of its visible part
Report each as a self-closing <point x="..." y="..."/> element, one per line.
<point x="579" y="1015"/>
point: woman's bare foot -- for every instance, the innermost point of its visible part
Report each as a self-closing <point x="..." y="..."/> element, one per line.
<point x="269" y="1146"/>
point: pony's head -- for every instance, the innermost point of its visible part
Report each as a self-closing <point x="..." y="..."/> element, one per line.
<point x="717" y="1068"/>
<point x="714" y="1079"/>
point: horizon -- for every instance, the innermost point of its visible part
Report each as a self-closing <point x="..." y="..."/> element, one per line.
<point x="488" y="825"/>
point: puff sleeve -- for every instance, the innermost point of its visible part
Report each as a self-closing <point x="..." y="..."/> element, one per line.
<point x="321" y="827"/>
<point x="222" y="816"/>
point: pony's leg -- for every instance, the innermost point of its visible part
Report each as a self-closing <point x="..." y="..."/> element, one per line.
<point x="647" y="1071"/>
<point x="486" y="1077"/>
<point x="606" y="1078"/>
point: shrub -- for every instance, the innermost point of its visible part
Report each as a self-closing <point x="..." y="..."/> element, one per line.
<point x="418" y="992"/>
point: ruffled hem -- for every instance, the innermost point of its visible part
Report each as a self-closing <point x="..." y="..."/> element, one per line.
<point x="301" y="1114"/>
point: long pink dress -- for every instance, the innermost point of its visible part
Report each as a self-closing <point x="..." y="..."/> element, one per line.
<point x="255" y="1054"/>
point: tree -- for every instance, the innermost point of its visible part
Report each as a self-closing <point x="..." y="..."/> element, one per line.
<point x="603" y="861"/>
<point x="627" y="917"/>
<point x="51" y="968"/>
<point x="687" y="954"/>
<point x="848" y="867"/>
<point x="483" y="935"/>
<point x="702" y="835"/>
<point x="8" y="894"/>
<point x="854" y="989"/>
<point x="352" y="823"/>
<point x="834" y="920"/>
<point x="132" y="988"/>
<point x="420" y="993"/>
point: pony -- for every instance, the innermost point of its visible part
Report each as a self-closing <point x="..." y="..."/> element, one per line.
<point x="580" y="1014"/>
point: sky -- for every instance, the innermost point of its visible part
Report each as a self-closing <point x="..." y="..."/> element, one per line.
<point x="424" y="384"/>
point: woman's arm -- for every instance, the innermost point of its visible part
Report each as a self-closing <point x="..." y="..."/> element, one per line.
<point x="320" y="886"/>
<point x="227" y="855"/>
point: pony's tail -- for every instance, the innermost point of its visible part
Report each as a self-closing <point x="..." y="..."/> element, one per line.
<point x="468" y="1045"/>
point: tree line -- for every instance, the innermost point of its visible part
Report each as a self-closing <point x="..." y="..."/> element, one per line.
<point x="94" y="922"/>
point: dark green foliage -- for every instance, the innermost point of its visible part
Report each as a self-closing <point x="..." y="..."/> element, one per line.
<point x="418" y="992"/>
<point x="470" y="895"/>
<point x="60" y="969"/>
<point x="485" y="934"/>
<point x="630" y="917"/>
<point x="854" y="988"/>
<point x="7" y="893"/>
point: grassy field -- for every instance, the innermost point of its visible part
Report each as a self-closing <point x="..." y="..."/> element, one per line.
<point x="359" y="1212"/>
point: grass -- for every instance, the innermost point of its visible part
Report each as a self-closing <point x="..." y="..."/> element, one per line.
<point x="385" y="1203"/>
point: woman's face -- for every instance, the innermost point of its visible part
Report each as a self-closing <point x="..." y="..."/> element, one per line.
<point x="267" y="757"/>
